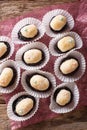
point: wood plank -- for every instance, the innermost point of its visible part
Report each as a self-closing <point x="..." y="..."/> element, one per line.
<point x="1" y="99"/>
<point x="76" y="120"/>
<point x="13" y="8"/>
<point x="47" y="126"/>
<point x="4" y="121"/>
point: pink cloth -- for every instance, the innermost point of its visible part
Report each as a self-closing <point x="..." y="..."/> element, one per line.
<point x="79" y="12"/>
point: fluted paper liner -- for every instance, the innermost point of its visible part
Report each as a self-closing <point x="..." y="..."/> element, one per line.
<point x="48" y="16"/>
<point x="12" y="87"/>
<point x="13" y="116"/>
<point x="78" y="74"/>
<point x="8" y="40"/>
<point x="24" y="22"/>
<point x="38" y="45"/>
<point x="68" y="108"/>
<point x="53" y="42"/>
<point x="36" y="93"/>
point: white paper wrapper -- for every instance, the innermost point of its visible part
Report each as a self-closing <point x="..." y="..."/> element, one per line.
<point x="54" y="41"/>
<point x="78" y="74"/>
<point x="8" y="40"/>
<point x="68" y="108"/>
<point x="37" y="45"/>
<point x="13" y="116"/>
<point x="13" y="64"/>
<point x="48" y="16"/>
<point x="36" y="93"/>
<point x="23" y="22"/>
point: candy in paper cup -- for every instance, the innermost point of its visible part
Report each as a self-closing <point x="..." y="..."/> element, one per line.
<point x="36" y="93"/>
<point x="10" y="48"/>
<point x="77" y="74"/>
<point x="34" y="45"/>
<point x="69" y="107"/>
<point x="15" y="117"/>
<point x="24" y="22"/>
<point x="48" y="17"/>
<point x="13" y="86"/>
<point x="54" y="41"/>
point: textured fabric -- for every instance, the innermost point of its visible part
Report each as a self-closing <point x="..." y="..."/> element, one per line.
<point x="79" y="12"/>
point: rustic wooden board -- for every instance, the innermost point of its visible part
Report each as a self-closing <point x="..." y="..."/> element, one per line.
<point x="76" y="120"/>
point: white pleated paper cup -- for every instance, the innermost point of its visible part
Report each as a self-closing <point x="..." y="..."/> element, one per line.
<point x="48" y="17"/>
<point x="11" y="88"/>
<point x="38" y="94"/>
<point x="79" y="72"/>
<point x="11" y="113"/>
<point x="24" y="22"/>
<point x="11" y="47"/>
<point x="69" y="107"/>
<point x="54" y="41"/>
<point x="34" y="45"/>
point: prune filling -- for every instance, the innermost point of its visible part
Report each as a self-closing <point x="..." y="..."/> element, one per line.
<point x="21" y="37"/>
<point x="68" y="58"/>
<point x="34" y="64"/>
<point x="7" y="52"/>
<point x="58" y="31"/>
<point x="13" y="78"/>
<point x="20" y="99"/>
<point x="28" y="77"/>
<point x="58" y="90"/>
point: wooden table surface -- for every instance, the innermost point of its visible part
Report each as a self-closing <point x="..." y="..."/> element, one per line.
<point x="76" y="120"/>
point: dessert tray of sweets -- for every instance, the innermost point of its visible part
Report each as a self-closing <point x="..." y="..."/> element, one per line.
<point x="43" y="60"/>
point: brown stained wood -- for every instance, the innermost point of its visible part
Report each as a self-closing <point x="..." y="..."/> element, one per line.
<point x="4" y="121"/>
<point x="76" y="120"/>
<point x="1" y="99"/>
<point x="70" y="121"/>
<point x="72" y="126"/>
<point x="12" y="8"/>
